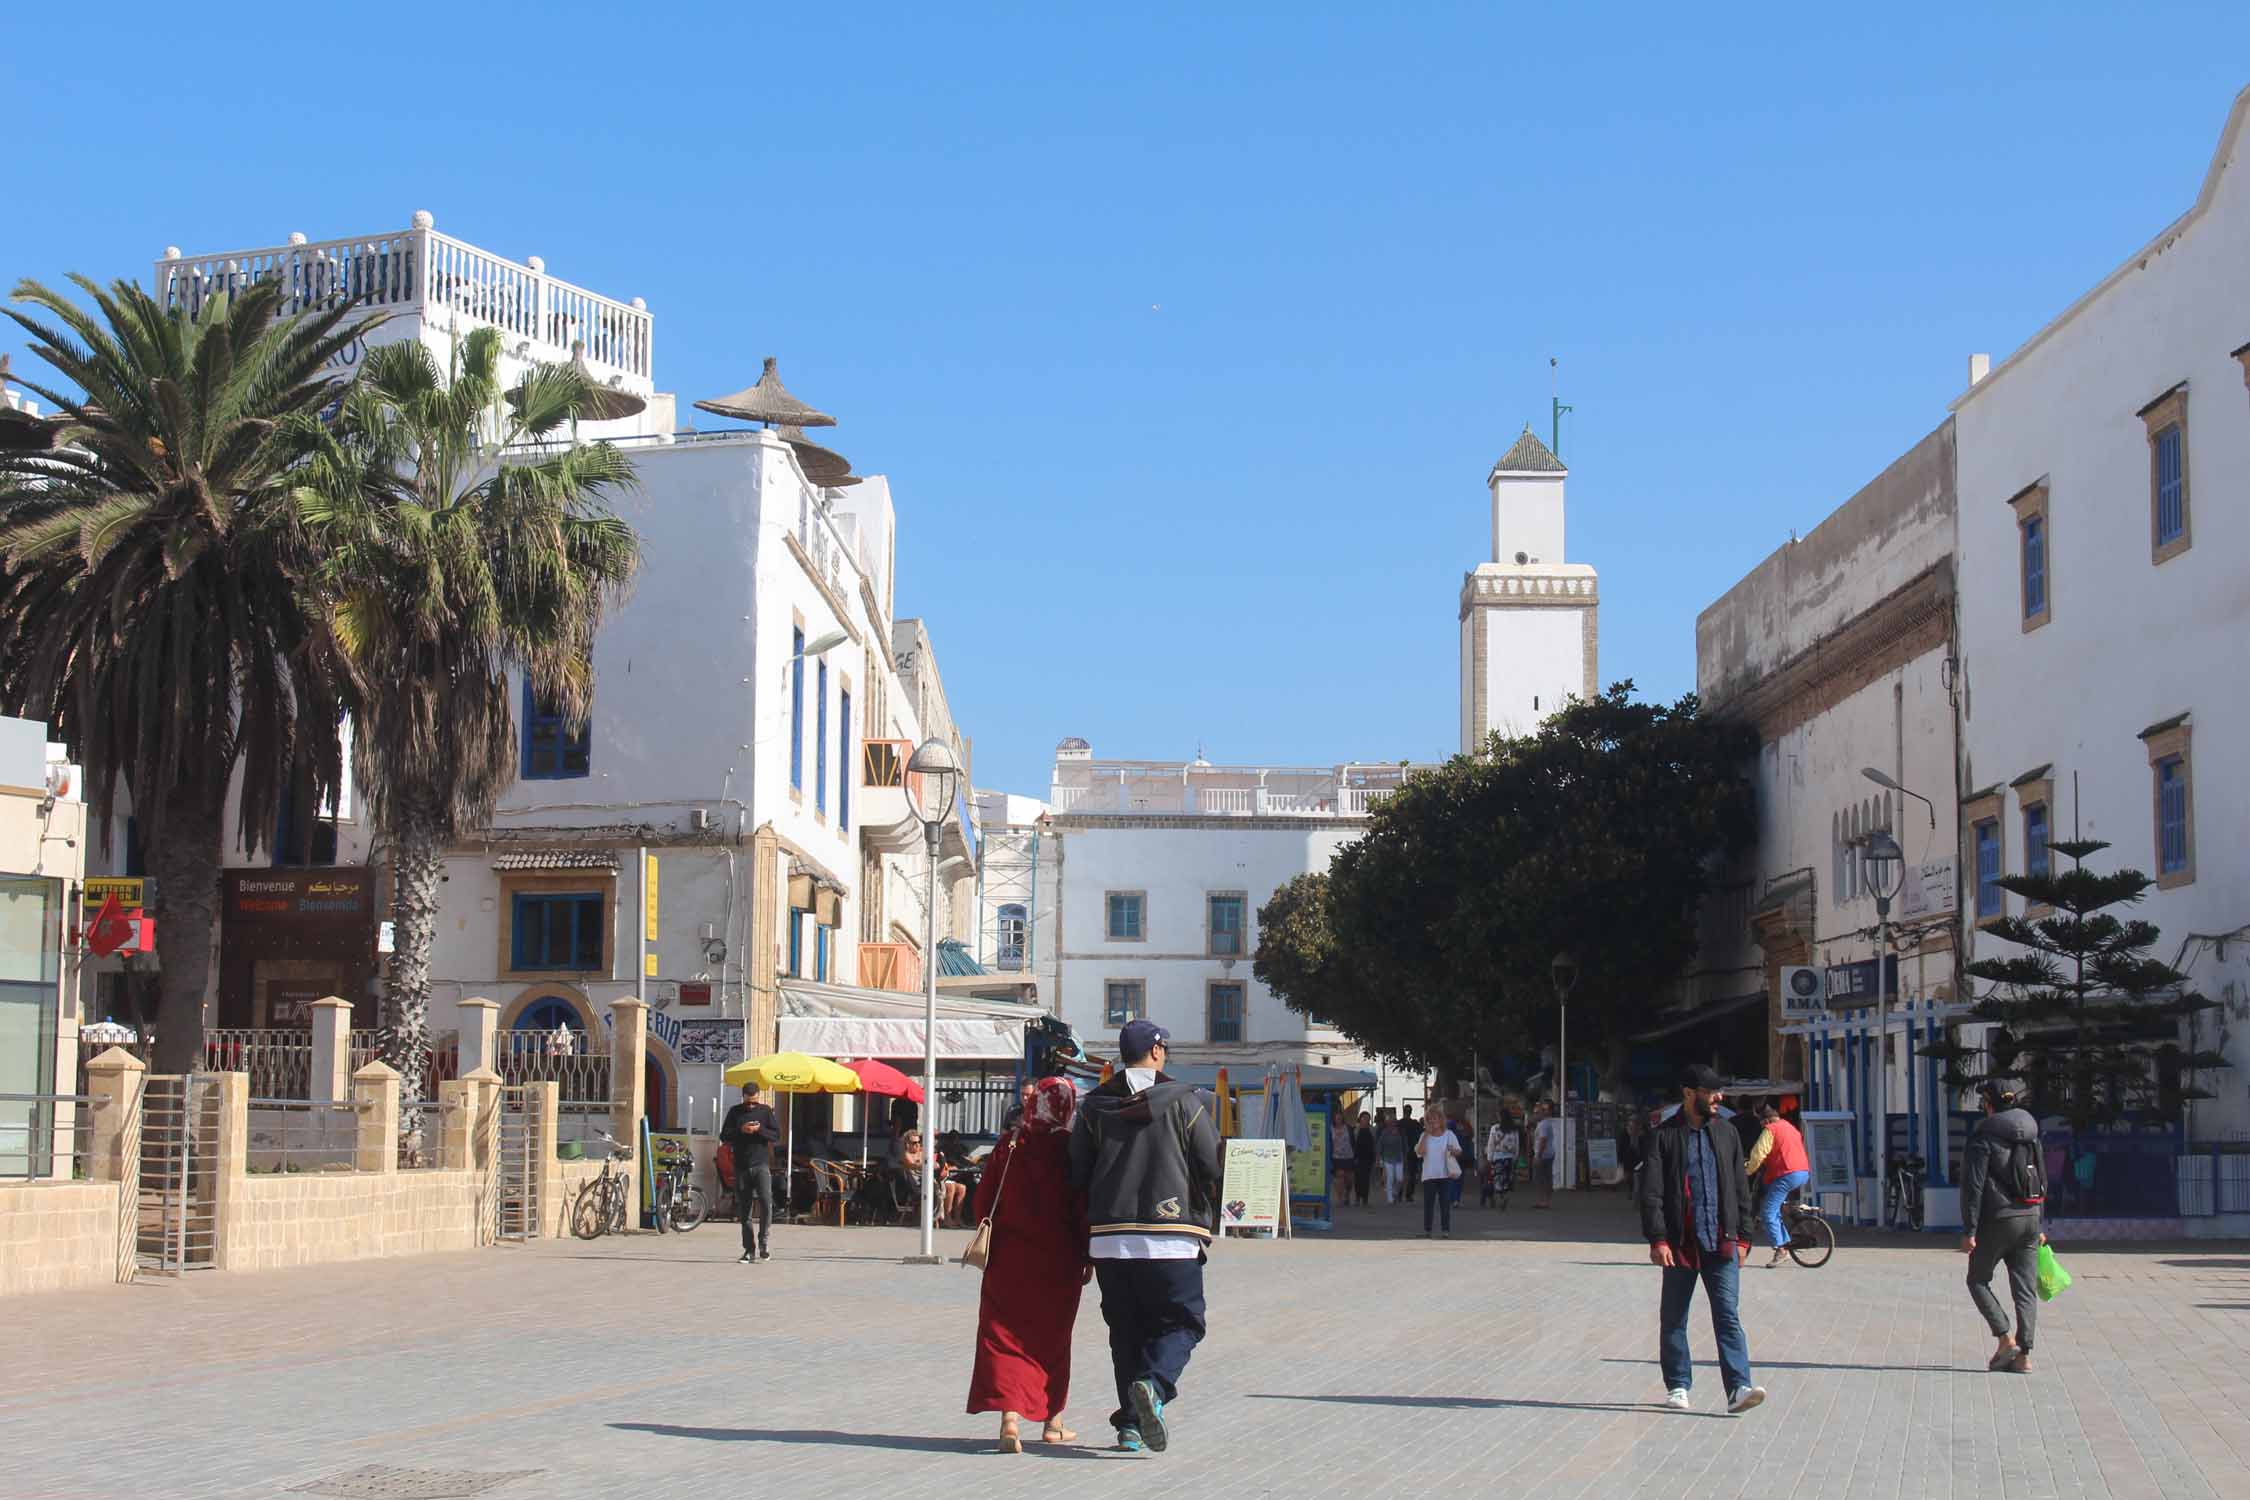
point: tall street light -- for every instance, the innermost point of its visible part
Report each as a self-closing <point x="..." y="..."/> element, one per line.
<point x="1884" y="866"/>
<point x="1564" y="972"/>
<point x="1884" y="781"/>
<point x="933" y="780"/>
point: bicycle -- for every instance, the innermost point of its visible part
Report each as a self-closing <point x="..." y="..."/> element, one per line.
<point x="601" y="1205"/>
<point x="1812" y="1239"/>
<point x="1902" y="1192"/>
<point x="680" y="1205"/>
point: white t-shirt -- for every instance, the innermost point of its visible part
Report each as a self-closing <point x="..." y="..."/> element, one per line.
<point x="1434" y="1149"/>
<point x="1547" y="1139"/>
<point x="1500" y="1144"/>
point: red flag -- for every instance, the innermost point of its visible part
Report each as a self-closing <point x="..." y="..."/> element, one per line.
<point x="111" y="929"/>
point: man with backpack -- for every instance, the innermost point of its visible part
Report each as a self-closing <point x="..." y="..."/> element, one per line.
<point x="2003" y="1189"/>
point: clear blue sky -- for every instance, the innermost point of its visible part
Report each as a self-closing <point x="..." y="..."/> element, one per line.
<point x="1187" y="338"/>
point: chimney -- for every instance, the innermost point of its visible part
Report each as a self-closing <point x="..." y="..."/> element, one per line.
<point x="1980" y="365"/>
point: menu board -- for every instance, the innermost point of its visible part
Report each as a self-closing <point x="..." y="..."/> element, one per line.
<point x="1251" y="1195"/>
<point x="1308" y="1169"/>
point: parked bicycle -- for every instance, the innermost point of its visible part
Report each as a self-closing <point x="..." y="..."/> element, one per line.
<point x="680" y="1205"/>
<point x="601" y="1206"/>
<point x="1902" y="1192"/>
<point x="1812" y="1239"/>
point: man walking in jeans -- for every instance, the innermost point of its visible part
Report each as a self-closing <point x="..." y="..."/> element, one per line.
<point x="749" y="1133"/>
<point x="1695" y="1214"/>
<point x="1145" y="1151"/>
<point x="2003" y="1185"/>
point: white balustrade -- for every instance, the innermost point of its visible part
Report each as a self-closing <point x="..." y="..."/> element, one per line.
<point x="1239" y="801"/>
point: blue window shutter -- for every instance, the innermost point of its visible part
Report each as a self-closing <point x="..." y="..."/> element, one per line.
<point x="820" y="740"/>
<point x="2171" y="813"/>
<point x="550" y="752"/>
<point x="844" y="760"/>
<point x="796" y="943"/>
<point x="796" y="710"/>
<point x="2035" y="858"/>
<point x="1988" y="868"/>
<point x="2171" y="487"/>
<point x="2034" y="566"/>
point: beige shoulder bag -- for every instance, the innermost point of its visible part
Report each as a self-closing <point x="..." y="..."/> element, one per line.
<point x="979" y="1253"/>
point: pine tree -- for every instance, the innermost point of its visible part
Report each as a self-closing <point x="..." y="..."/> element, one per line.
<point x="2083" y="1016"/>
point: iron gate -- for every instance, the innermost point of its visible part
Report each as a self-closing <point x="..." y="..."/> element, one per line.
<point x="176" y="1217"/>
<point x="515" y="1198"/>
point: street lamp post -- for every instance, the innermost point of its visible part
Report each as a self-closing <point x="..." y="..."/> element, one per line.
<point x="1884" y="865"/>
<point x="1564" y="972"/>
<point x="932" y="781"/>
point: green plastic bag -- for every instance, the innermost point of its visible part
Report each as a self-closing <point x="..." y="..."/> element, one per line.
<point x="2052" y="1277"/>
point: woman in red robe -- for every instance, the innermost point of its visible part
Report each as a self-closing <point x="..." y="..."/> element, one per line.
<point x="1039" y="1265"/>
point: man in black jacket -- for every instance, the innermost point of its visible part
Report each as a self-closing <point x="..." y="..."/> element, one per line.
<point x="1695" y="1214"/>
<point x="749" y="1134"/>
<point x="2003" y="1227"/>
<point x="1145" y="1151"/>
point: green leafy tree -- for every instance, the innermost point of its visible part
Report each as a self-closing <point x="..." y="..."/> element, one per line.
<point x="1595" y="836"/>
<point x="447" y="567"/>
<point x="152" y="610"/>
<point x="2083" y="1015"/>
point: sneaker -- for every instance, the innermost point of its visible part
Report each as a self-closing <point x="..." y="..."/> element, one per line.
<point x="764" y="1254"/>
<point x="1129" y="1440"/>
<point x="746" y="1259"/>
<point x="2021" y="1364"/>
<point x="1150" y="1409"/>
<point x="1742" y="1400"/>
<point x="1676" y="1399"/>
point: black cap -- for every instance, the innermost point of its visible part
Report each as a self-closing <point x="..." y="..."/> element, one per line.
<point x="1700" y="1076"/>
<point x="1138" y="1038"/>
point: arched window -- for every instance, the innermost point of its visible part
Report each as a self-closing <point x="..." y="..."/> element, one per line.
<point x="1013" y="929"/>
<point x="547" y="1014"/>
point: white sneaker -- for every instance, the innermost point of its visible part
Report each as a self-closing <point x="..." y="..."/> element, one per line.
<point x="1677" y="1399"/>
<point x="1744" y="1399"/>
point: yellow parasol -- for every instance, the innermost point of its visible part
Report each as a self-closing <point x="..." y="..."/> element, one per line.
<point x="1226" y="1107"/>
<point x="793" y="1073"/>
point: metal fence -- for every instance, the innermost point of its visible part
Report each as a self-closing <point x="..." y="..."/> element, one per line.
<point x="566" y="1059"/>
<point x="47" y="1135"/>
<point x="2214" y="1178"/>
<point x="972" y="1109"/>
<point x="297" y="1135"/>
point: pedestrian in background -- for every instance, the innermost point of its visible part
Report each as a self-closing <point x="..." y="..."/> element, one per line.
<point x="1340" y="1158"/>
<point x="1695" y="1213"/>
<point x="749" y="1131"/>
<point x="1501" y="1145"/>
<point x="1145" y="1151"/>
<point x="1409" y="1140"/>
<point x="2004" y="1184"/>
<point x="1391" y="1152"/>
<point x="1546" y="1150"/>
<point x="1029" y="1301"/>
<point x="1780" y="1152"/>
<point x="1467" y="1139"/>
<point x="1440" y="1153"/>
<point x="1363" y="1158"/>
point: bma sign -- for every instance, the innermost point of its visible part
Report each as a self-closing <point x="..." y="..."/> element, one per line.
<point x="1850" y="984"/>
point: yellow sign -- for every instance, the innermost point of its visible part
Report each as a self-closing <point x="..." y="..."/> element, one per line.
<point x="1308" y="1169"/>
<point x="651" y="886"/>
<point x="100" y="888"/>
<point x="648" y="965"/>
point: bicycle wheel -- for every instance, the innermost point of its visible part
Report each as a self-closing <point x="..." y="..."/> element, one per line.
<point x="1812" y="1239"/>
<point x="662" y="1211"/>
<point x="613" y="1203"/>
<point x="689" y="1209"/>
<point x="1914" y="1206"/>
<point x="589" y="1220"/>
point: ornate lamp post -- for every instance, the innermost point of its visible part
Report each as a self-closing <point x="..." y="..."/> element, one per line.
<point x="1564" y="972"/>
<point x="933" y="780"/>
<point x="1884" y="866"/>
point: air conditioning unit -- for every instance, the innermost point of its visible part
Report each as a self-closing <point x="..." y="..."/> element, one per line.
<point x="1804" y="987"/>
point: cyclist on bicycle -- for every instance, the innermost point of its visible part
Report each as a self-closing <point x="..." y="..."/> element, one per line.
<point x="1780" y="1153"/>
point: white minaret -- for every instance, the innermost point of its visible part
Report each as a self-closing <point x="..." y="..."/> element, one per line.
<point x="1528" y="618"/>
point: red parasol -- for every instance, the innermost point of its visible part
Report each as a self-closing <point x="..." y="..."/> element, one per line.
<point x="882" y="1078"/>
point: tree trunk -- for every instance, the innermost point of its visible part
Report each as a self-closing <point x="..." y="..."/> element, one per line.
<point x="185" y="861"/>
<point x="417" y="869"/>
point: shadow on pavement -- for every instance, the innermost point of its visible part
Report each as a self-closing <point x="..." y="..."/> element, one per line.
<point x="819" y="1439"/>
<point x="2225" y="1306"/>
<point x="2208" y="1263"/>
<point x="1815" y="1364"/>
<point x="1479" y="1403"/>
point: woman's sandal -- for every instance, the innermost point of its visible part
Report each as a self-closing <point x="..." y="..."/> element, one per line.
<point x="1011" y="1438"/>
<point x="1056" y="1433"/>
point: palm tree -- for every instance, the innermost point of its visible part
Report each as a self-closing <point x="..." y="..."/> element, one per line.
<point x="446" y="567"/>
<point x="151" y="577"/>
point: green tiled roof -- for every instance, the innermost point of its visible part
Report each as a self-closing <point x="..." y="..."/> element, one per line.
<point x="1529" y="456"/>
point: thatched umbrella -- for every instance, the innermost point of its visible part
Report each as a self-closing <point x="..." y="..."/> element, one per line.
<point x="26" y="432"/>
<point x="769" y="402"/>
<point x="602" y="403"/>
<point x="823" y="466"/>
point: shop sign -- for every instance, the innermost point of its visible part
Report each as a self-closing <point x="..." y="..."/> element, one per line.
<point x="1850" y="984"/>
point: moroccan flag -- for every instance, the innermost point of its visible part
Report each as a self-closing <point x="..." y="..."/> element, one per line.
<point x="111" y="929"/>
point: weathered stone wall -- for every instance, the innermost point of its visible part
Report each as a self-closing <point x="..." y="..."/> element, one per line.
<point x="57" y="1235"/>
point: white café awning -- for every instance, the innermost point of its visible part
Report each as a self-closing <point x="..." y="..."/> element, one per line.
<point x="834" y="1020"/>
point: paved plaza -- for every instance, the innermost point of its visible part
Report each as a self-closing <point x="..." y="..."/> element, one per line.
<point x="1519" y="1354"/>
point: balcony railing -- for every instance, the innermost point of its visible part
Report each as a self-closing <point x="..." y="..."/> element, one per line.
<point x="890" y="966"/>
<point x="1162" y="796"/>
<point x="421" y="271"/>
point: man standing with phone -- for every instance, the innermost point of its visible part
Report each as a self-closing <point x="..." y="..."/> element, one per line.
<point x="1695" y="1214"/>
<point x="749" y="1132"/>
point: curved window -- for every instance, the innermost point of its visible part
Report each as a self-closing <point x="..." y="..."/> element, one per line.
<point x="547" y="1014"/>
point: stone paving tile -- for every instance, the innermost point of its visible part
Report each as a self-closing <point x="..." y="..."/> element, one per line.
<point x="1520" y="1354"/>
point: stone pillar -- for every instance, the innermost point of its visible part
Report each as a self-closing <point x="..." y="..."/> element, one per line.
<point x="480" y="1036"/>
<point x="375" y="1094"/>
<point x="114" y="1078"/>
<point x="331" y="1051"/>
<point x="547" y="1100"/>
<point x="628" y="1062"/>
<point x="481" y="1116"/>
<point x="231" y="1228"/>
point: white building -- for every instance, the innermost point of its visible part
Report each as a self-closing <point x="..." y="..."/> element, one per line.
<point x="1164" y="865"/>
<point x="1530" y="621"/>
<point x="2103" y="536"/>
<point x="1019" y="893"/>
<point x="729" y="835"/>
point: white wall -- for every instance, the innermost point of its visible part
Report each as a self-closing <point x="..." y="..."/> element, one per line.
<point x="1534" y="659"/>
<point x="2130" y="643"/>
<point x="1527" y="517"/>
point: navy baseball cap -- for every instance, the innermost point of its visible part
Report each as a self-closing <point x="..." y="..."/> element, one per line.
<point x="1139" y="1038"/>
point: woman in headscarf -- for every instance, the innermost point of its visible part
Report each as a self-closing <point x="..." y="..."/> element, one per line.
<point x="1039" y="1265"/>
